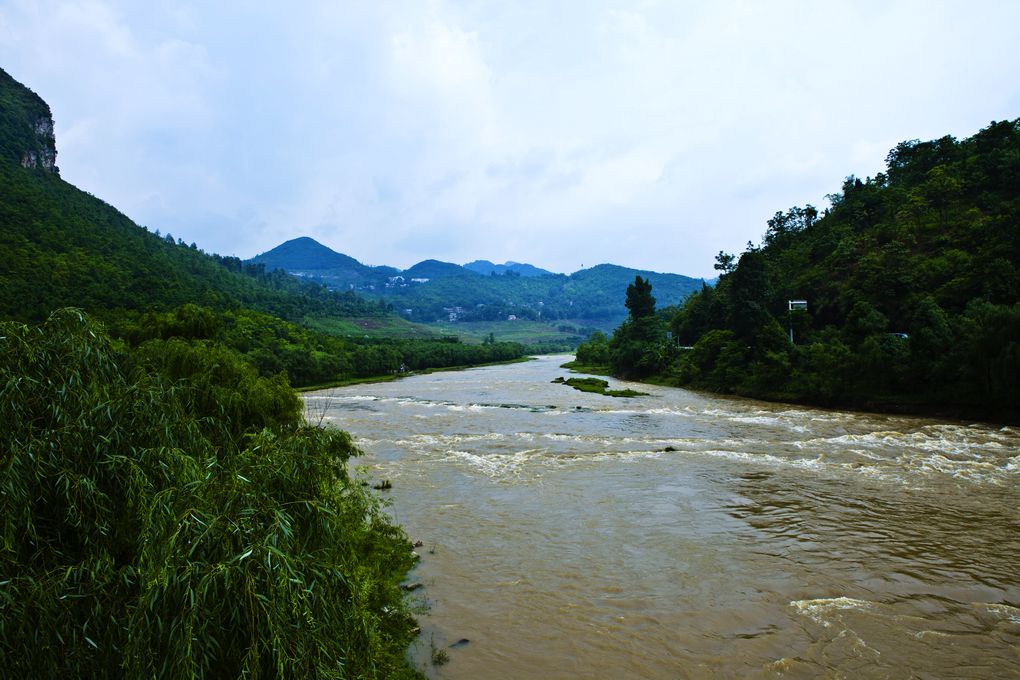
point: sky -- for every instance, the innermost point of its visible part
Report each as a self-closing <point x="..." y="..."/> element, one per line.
<point x="563" y="134"/>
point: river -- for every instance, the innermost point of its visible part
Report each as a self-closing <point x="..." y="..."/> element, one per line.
<point x="575" y="535"/>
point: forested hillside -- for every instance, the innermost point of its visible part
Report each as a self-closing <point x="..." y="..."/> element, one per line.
<point x="64" y="247"/>
<point x="911" y="281"/>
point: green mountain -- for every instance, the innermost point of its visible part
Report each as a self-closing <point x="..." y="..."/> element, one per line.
<point x="911" y="282"/>
<point x="432" y="290"/>
<point x="434" y="269"/>
<point x="308" y="259"/>
<point x="485" y="268"/>
<point x="307" y="253"/>
<point x="592" y="296"/>
<point x="65" y="247"/>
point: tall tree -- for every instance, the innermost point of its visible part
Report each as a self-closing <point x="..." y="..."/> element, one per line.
<point x="724" y="262"/>
<point x="640" y="302"/>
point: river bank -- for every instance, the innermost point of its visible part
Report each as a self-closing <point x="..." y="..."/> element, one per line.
<point x="368" y="380"/>
<point x="893" y="405"/>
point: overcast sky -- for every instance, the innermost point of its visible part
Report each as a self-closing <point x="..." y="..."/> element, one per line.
<point x="648" y="134"/>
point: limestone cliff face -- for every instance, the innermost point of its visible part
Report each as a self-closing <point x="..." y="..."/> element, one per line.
<point x="26" y="127"/>
<point x="44" y="153"/>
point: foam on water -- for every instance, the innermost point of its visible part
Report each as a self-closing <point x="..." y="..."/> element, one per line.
<point x="838" y="456"/>
<point x="1005" y="612"/>
<point x="821" y="610"/>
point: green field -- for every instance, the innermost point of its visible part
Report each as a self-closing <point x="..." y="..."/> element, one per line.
<point x="561" y="335"/>
<point x="373" y="327"/>
<point x="522" y="331"/>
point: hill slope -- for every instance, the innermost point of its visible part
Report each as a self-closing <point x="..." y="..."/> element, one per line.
<point x="912" y="284"/>
<point x="306" y="253"/>
<point x="64" y="247"/>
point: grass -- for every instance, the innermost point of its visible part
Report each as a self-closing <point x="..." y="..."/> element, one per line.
<point x="391" y="377"/>
<point x="519" y="360"/>
<point x="522" y="331"/>
<point x="598" y="386"/>
<point x="535" y="333"/>
<point x="388" y="327"/>
<point x="578" y="367"/>
<point x="349" y="381"/>
<point x="439" y="655"/>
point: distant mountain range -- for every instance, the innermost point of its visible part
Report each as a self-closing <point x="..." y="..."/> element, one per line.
<point x="481" y="290"/>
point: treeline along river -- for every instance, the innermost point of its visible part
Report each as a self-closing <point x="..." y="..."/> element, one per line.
<point x="569" y="534"/>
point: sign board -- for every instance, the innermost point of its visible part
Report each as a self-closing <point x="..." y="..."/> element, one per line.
<point x="797" y="304"/>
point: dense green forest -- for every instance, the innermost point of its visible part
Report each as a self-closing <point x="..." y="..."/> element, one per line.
<point x="275" y="346"/>
<point x="911" y="281"/>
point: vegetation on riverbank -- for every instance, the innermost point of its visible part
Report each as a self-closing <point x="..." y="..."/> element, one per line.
<point x="598" y="386"/>
<point x="307" y="357"/>
<point x="911" y="281"/>
<point x="579" y="367"/>
<point x="168" y="513"/>
<point x="392" y="377"/>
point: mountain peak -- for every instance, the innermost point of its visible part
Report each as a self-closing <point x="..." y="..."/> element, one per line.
<point x="304" y="253"/>
<point x="435" y="269"/>
<point x="485" y="267"/>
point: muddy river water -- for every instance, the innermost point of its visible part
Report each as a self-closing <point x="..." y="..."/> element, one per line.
<point x="575" y="535"/>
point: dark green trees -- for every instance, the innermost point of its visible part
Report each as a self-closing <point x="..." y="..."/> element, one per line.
<point x="168" y="515"/>
<point x="640" y="302"/>
<point x="913" y="285"/>
<point x="636" y="346"/>
<point x="594" y="351"/>
<point x="913" y="281"/>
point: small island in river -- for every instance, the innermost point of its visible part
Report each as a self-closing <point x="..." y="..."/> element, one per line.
<point x="598" y="386"/>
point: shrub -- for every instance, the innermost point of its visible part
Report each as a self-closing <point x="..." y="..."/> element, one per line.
<point x="134" y="543"/>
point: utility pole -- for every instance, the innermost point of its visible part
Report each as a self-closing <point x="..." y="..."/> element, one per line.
<point x="800" y="305"/>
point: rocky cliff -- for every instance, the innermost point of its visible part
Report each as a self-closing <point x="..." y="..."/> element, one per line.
<point x="26" y="127"/>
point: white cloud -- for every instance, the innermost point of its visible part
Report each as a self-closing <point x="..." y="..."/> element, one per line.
<point x="652" y="134"/>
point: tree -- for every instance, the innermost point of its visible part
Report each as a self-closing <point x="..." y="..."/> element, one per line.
<point x="639" y="298"/>
<point x="724" y="262"/>
<point x="634" y="349"/>
<point x="595" y="351"/>
<point x="748" y="294"/>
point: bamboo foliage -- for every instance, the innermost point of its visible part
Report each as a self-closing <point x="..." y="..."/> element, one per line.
<point x="143" y="536"/>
